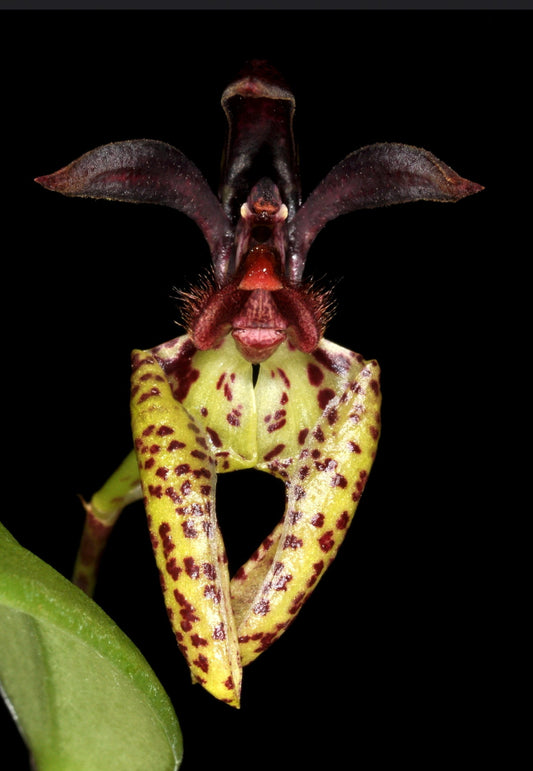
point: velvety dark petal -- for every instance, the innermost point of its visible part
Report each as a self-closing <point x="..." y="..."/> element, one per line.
<point x="213" y="320"/>
<point x="259" y="108"/>
<point x="147" y="171"/>
<point x="376" y="175"/>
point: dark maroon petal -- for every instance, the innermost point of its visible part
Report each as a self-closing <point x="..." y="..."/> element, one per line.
<point x="259" y="107"/>
<point x="376" y="175"/>
<point x="302" y="317"/>
<point x="147" y="171"/>
<point x="213" y="319"/>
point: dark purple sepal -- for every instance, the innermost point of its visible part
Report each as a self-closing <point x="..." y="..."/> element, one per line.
<point x="377" y="175"/>
<point x="148" y="171"/>
<point x="259" y="108"/>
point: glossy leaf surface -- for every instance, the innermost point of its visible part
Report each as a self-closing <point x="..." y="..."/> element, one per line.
<point x="83" y="696"/>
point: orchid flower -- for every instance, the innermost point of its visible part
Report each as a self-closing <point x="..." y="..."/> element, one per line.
<point x="253" y="383"/>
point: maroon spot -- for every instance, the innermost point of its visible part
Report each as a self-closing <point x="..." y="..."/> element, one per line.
<point x="187" y="612"/>
<point x="155" y="490"/>
<point x="302" y="435"/>
<point x="297" y="603"/>
<point x="147" y="394"/>
<point x="284" y="398"/>
<point x="154" y="449"/>
<point x="162" y="472"/>
<point x="153" y="539"/>
<point x="280" y="584"/>
<point x="220" y="381"/>
<point x="233" y="418"/>
<point x="149" y="463"/>
<point x="203" y="412"/>
<point x="164" y="533"/>
<point x="303" y="472"/>
<point x="172" y="494"/>
<point x="172" y="568"/>
<point x="266" y="642"/>
<point x="229" y="682"/>
<point x="212" y="593"/>
<point x="175" y="445"/>
<point x="331" y="415"/>
<point x="137" y="362"/>
<point x="219" y="633"/>
<point x="183" y="468"/>
<point x="276" y="426"/>
<point x="191" y="568"/>
<point x="318" y="567"/>
<point x="201" y="472"/>
<point x="267" y="543"/>
<point x="339" y="364"/>
<point x="326" y="541"/>
<point x="202" y="663"/>
<point x="284" y="377"/>
<point x="181" y="371"/>
<point x="275" y="451"/>
<point x="209" y="570"/>
<point x="354" y="447"/>
<point x="186" y="487"/>
<point x="319" y="434"/>
<point x="343" y="520"/>
<point x="148" y="430"/>
<point x="205" y="489"/>
<point x="315" y="374"/>
<point x="261" y="608"/>
<point x="217" y="441"/>
<point x="318" y="520"/>
<point x="339" y="481"/>
<point x="298" y="492"/>
<point x="374" y="385"/>
<point x="227" y="392"/>
<point x="201" y="441"/>
<point x="197" y="641"/>
<point x="240" y="575"/>
<point x="164" y="431"/>
<point x="292" y="542"/>
<point x="198" y="454"/>
<point x="189" y="531"/>
<point x="324" y="396"/>
<point x="294" y="517"/>
<point x="162" y="580"/>
<point x="374" y="432"/>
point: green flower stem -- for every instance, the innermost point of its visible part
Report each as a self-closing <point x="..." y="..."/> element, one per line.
<point x="101" y="513"/>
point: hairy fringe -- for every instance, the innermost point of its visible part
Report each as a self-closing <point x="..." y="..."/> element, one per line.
<point x="193" y="298"/>
<point x="319" y="294"/>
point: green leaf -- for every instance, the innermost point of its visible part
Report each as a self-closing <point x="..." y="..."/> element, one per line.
<point x="82" y="694"/>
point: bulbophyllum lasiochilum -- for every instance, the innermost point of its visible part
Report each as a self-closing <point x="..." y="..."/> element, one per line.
<point x="253" y="383"/>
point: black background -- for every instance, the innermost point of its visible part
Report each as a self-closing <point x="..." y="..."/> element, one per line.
<point x="391" y="659"/>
